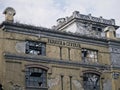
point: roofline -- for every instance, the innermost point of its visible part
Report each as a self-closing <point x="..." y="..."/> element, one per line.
<point x="37" y="28"/>
<point x="78" y="19"/>
<point x="36" y="31"/>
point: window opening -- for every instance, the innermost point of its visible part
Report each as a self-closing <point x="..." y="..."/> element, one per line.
<point x="36" y="77"/>
<point x="89" y="55"/>
<point x="91" y="81"/>
<point x="36" y="48"/>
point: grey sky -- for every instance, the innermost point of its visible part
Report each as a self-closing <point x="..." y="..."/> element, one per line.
<point x="46" y="12"/>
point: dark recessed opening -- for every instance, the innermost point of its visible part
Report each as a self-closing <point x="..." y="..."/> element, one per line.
<point x="35" y="74"/>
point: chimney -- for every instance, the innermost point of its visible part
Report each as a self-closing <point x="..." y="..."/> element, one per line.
<point x="9" y="14"/>
<point x="110" y="32"/>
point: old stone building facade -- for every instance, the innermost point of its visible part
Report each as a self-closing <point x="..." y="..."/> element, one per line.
<point x="81" y="52"/>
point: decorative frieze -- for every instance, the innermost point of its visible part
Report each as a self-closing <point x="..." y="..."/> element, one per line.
<point x="76" y="14"/>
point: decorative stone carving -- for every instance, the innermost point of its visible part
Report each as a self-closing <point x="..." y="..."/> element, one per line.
<point x="53" y="82"/>
<point x="110" y="32"/>
<point x="9" y="13"/>
<point x="76" y="14"/>
<point x="60" y="20"/>
<point x="77" y="85"/>
<point x="109" y="28"/>
<point x="89" y="17"/>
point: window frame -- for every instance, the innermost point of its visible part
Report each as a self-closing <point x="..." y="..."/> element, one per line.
<point x="87" y="58"/>
<point x="32" y="80"/>
<point x="40" y="48"/>
<point x="90" y="84"/>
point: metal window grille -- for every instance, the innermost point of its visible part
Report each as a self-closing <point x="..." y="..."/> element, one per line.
<point x="36" y="48"/>
<point x="36" y="77"/>
<point x="91" y="81"/>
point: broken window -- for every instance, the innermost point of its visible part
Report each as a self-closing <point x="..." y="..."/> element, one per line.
<point x="89" y="55"/>
<point x="36" y="48"/>
<point x="36" y="77"/>
<point x="96" y="31"/>
<point x="91" y="81"/>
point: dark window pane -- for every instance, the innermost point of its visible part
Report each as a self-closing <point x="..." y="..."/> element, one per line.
<point x="36" y="48"/>
<point x="100" y="29"/>
<point x="36" y="77"/>
<point x="91" y="81"/>
<point x="35" y="74"/>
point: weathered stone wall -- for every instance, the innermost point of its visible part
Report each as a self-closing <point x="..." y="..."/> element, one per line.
<point x="13" y="70"/>
<point x="115" y="63"/>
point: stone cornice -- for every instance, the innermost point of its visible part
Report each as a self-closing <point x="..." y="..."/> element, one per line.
<point x="43" y="59"/>
<point x="85" y="18"/>
<point x="115" y="67"/>
<point x="45" y="32"/>
<point x="71" y="19"/>
<point x="114" y="43"/>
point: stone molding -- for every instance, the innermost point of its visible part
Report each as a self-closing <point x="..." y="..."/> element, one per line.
<point x="43" y="59"/>
<point x="44" y="32"/>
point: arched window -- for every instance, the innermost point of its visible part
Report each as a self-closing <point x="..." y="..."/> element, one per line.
<point x="91" y="81"/>
<point x="36" y="78"/>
